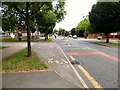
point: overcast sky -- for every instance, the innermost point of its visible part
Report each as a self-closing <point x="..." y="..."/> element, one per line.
<point x="76" y="9"/>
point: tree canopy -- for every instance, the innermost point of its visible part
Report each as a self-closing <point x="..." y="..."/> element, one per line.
<point x="73" y="31"/>
<point x="105" y="17"/>
<point x="42" y="14"/>
<point x="61" y="31"/>
<point x="32" y="15"/>
<point x="82" y="26"/>
<point x="0" y="16"/>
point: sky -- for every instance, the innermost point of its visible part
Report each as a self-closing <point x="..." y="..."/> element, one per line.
<point x="75" y="9"/>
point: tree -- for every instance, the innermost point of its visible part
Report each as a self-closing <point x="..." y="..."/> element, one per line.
<point x="55" y="31"/>
<point x="59" y="10"/>
<point x="61" y="31"/>
<point x="33" y="27"/>
<point x="73" y="31"/>
<point x="0" y="15"/>
<point x="105" y="17"/>
<point x="48" y="20"/>
<point x="67" y="33"/>
<point x="49" y="17"/>
<point x="9" y="21"/>
<point x="25" y="11"/>
<point x="82" y="26"/>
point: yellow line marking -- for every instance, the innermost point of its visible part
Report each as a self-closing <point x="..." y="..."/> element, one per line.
<point x="92" y="80"/>
<point x="72" y="57"/>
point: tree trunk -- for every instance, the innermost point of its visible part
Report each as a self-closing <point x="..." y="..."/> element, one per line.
<point x="46" y="37"/>
<point x="28" y="31"/>
<point x="107" y="37"/>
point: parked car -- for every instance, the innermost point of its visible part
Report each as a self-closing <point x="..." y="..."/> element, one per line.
<point x="2" y="34"/>
<point x="74" y="36"/>
<point x="99" y="37"/>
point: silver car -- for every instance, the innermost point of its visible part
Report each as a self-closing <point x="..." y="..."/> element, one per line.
<point x="74" y="36"/>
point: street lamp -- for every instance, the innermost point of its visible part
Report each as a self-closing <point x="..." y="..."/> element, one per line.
<point x="85" y="26"/>
<point x="64" y="33"/>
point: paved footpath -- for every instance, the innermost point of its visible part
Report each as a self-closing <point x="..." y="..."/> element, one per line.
<point x="11" y="48"/>
<point x="62" y="75"/>
<point x="52" y="54"/>
<point x="47" y="79"/>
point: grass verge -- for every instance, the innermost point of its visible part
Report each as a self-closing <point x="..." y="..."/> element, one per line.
<point x="9" y="39"/>
<point x="48" y="40"/>
<point x="2" y="47"/>
<point x="108" y="44"/>
<point x="20" y="62"/>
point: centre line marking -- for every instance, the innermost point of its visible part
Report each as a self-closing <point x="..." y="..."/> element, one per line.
<point x="92" y="80"/>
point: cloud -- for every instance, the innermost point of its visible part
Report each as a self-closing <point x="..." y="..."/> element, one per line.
<point x="76" y="9"/>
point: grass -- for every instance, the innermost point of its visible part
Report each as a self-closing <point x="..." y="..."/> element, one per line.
<point x="108" y="44"/>
<point x="48" y="40"/>
<point x="24" y="39"/>
<point x="9" y="39"/>
<point x="20" y="62"/>
<point x="2" y="47"/>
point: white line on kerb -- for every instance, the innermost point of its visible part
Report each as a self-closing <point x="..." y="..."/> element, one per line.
<point x="79" y="77"/>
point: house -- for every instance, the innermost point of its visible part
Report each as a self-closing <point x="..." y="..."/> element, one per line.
<point x="114" y="35"/>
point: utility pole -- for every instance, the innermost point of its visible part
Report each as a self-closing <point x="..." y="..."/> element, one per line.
<point x="85" y="26"/>
<point x="64" y="33"/>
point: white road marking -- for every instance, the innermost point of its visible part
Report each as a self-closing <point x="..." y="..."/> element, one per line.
<point x="64" y="61"/>
<point x="50" y="61"/>
<point x="69" y="45"/>
<point x="77" y="74"/>
<point x="56" y="61"/>
<point x="61" y="61"/>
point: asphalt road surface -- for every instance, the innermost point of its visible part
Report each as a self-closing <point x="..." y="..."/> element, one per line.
<point x="97" y="65"/>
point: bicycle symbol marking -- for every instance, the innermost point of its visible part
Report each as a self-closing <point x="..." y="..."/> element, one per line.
<point x="61" y="61"/>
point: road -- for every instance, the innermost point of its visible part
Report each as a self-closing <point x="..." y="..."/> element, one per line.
<point x="97" y="65"/>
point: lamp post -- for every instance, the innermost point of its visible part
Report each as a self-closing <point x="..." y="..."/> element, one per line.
<point x="64" y="33"/>
<point x="85" y="26"/>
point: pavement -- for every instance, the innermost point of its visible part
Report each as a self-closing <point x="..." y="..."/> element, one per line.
<point x="61" y="74"/>
<point x="115" y="40"/>
<point x="47" y="79"/>
<point x="11" y="48"/>
<point x="102" y="40"/>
